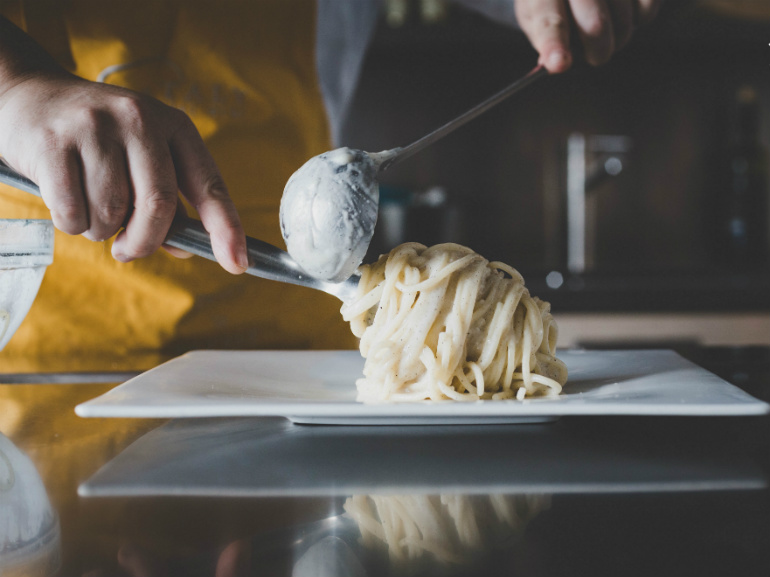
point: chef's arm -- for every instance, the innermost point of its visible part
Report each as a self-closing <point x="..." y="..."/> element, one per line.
<point x="106" y="157"/>
<point x="600" y="27"/>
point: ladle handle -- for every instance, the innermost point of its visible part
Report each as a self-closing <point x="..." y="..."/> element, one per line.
<point x="400" y="154"/>
<point x="265" y="260"/>
<point x="12" y="178"/>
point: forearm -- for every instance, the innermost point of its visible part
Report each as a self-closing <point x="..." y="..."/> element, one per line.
<point x="21" y="57"/>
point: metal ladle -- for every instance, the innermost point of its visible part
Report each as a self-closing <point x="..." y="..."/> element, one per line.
<point x="269" y="262"/>
<point x="344" y="194"/>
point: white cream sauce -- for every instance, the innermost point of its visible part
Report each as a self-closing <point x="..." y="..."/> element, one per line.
<point x="328" y="212"/>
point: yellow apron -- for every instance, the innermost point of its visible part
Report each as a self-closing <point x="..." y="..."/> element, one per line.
<point x="244" y="72"/>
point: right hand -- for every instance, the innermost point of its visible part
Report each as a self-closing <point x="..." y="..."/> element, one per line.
<point x="602" y="27"/>
<point x="106" y="157"/>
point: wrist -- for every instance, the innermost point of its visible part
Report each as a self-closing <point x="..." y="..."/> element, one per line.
<point x="22" y="59"/>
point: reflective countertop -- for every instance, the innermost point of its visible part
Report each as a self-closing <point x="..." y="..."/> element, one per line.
<point x="246" y="496"/>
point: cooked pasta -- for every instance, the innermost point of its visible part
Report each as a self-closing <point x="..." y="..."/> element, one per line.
<point x="443" y="323"/>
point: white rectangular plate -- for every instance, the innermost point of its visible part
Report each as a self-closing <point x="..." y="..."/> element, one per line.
<point x="319" y="387"/>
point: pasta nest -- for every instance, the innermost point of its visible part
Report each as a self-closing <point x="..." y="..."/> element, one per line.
<point x="443" y="323"/>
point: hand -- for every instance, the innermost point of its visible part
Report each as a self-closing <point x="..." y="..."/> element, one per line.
<point x="104" y="156"/>
<point x="603" y="26"/>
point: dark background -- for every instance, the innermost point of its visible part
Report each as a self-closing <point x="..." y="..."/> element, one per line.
<point x="656" y="225"/>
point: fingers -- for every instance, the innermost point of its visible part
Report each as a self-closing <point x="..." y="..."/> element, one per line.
<point x="106" y="186"/>
<point x="58" y="176"/>
<point x="602" y="26"/>
<point x="546" y="24"/>
<point x="155" y="199"/>
<point x="594" y="26"/>
<point x="159" y="167"/>
<point x="201" y="183"/>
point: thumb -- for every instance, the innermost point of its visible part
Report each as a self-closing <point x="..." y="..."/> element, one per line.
<point x="546" y="24"/>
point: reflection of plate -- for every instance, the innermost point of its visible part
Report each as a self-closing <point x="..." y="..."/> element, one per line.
<point x="272" y="457"/>
<point x="319" y="387"/>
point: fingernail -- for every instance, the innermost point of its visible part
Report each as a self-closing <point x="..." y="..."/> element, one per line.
<point x="243" y="260"/>
<point x="119" y="256"/>
<point x="557" y="59"/>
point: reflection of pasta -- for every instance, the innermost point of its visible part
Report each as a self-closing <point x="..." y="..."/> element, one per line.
<point x="444" y="323"/>
<point x="448" y="527"/>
